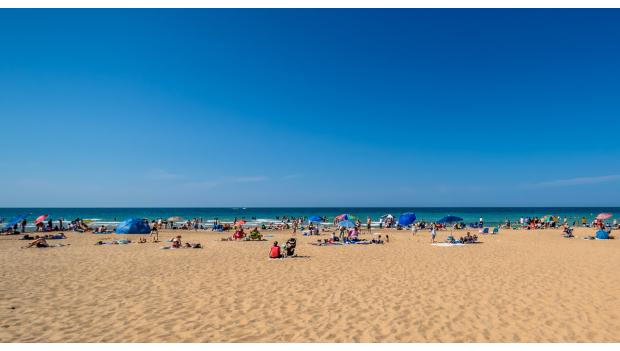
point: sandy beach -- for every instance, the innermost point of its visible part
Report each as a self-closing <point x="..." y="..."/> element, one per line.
<point x="517" y="286"/>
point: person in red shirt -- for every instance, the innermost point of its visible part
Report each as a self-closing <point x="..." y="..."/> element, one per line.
<point x="275" y="251"/>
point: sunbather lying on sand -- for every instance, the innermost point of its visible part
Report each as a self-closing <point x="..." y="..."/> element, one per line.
<point x="176" y="242"/>
<point x="38" y="242"/>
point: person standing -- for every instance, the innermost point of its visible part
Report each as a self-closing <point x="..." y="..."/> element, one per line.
<point x="23" y="224"/>
<point x="481" y="222"/>
<point x="433" y="233"/>
<point x="368" y="223"/>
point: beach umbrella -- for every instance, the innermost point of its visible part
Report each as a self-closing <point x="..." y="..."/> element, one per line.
<point x="406" y="218"/>
<point x="133" y="226"/>
<point x="602" y="216"/>
<point x="345" y="217"/>
<point x="346" y="223"/>
<point x="450" y="220"/>
<point x="13" y="221"/>
<point x="315" y="219"/>
<point x="41" y="218"/>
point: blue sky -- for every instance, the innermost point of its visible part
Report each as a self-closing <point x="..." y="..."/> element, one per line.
<point x="309" y="107"/>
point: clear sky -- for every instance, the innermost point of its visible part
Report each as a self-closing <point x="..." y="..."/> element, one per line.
<point x="309" y="107"/>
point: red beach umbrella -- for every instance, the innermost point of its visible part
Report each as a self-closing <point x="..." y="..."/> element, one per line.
<point x="40" y="219"/>
<point x="603" y="216"/>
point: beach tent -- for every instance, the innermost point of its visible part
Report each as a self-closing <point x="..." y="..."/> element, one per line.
<point x="602" y="235"/>
<point x="15" y="220"/>
<point x="406" y="219"/>
<point x="133" y="226"/>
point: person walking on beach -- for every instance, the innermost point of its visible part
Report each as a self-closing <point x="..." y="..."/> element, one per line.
<point x="433" y="232"/>
<point x="481" y="222"/>
<point x="368" y="223"/>
<point x="23" y="224"/>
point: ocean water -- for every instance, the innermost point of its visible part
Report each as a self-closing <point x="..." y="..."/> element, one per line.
<point x="491" y="215"/>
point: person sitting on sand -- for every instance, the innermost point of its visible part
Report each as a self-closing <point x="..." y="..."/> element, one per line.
<point x="38" y="242"/>
<point x="239" y="234"/>
<point x="255" y="234"/>
<point x="275" y="252"/>
<point x="176" y="242"/>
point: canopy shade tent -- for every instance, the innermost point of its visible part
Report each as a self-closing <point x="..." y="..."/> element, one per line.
<point x="133" y="226"/>
<point x="406" y="219"/>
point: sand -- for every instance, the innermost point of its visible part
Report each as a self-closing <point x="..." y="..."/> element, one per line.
<point x="517" y="286"/>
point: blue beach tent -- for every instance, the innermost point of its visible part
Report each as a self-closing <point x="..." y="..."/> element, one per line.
<point x="602" y="235"/>
<point x="133" y="226"/>
<point x="406" y="219"/>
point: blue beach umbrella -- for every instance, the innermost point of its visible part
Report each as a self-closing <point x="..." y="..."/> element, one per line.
<point x="315" y="219"/>
<point x="406" y="219"/>
<point x="449" y="220"/>
<point x="347" y="223"/>
<point x="15" y="220"/>
<point x="133" y="226"/>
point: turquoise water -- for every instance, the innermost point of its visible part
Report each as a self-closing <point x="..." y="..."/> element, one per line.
<point x="491" y="215"/>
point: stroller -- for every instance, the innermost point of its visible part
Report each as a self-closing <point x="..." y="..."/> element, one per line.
<point x="291" y="244"/>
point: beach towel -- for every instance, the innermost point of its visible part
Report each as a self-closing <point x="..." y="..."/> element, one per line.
<point x="447" y="244"/>
<point x="363" y="242"/>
